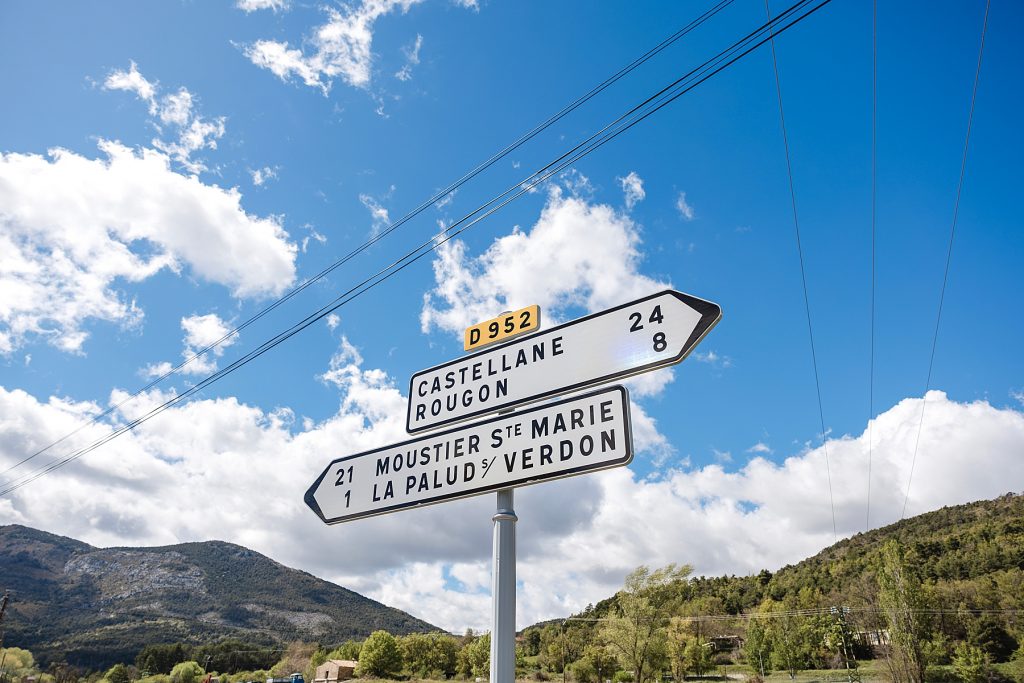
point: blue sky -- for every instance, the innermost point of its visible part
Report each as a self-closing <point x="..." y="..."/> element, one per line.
<point x="215" y="156"/>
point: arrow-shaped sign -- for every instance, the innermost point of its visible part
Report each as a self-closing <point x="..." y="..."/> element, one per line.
<point x="560" y="439"/>
<point x="637" y="337"/>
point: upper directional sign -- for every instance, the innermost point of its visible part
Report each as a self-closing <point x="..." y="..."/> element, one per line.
<point x="642" y="335"/>
<point x="560" y="439"/>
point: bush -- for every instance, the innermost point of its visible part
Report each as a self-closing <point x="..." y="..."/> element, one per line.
<point x="971" y="664"/>
<point x="623" y="677"/>
<point x="186" y="672"/>
<point x="118" y="674"/>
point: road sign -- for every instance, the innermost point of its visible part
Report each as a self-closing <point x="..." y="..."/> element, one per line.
<point x="561" y="439"/>
<point x="502" y="327"/>
<point x="642" y="335"/>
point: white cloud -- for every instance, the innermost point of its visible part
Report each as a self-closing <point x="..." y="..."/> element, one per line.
<point x="260" y="176"/>
<point x="445" y="200"/>
<point x="685" y="210"/>
<point x="412" y="58"/>
<point x="1017" y="395"/>
<point x="74" y="228"/>
<point x="341" y="47"/>
<point x="712" y="358"/>
<point x="256" y="5"/>
<point x="760" y="447"/>
<point x="177" y="110"/>
<point x="202" y="331"/>
<point x="130" y="492"/>
<point x="132" y="81"/>
<point x="333" y="320"/>
<point x="576" y="183"/>
<point x="578" y="254"/>
<point x="154" y="370"/>
<point x="378" y="214"/>
<point x="633" y="189"/>
<point x="312" y="236"/>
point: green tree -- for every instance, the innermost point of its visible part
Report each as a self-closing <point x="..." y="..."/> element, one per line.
<point x="380" y="656"/>
<point x="474" y="658"/>
<point x="698" y="656"/>
<point x="988" y="634"/>
<point x="678" y="636"/>
<point x="186" y="672"/>
<point x="161" y="658"/>
<point x="118" y="674"/>
<point x="18" y="662"/>
<point x="232" y="655"/>
<point x="595" y="665"/>
<point x="971" y="664"/>
<point x="902" y="601"/>
<point x="348" y="650"/>
<point x="430" y="655"/>
<point x="757" y="647"/>
<point x="531" y="639"/>
<point x="637" y="633"/>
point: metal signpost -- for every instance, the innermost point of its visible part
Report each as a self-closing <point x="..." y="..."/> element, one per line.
<point x="637" y="337"/>
<point x="560" y="439"/>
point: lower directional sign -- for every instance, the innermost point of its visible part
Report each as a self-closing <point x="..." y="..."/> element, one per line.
<point x="562" y="439"/>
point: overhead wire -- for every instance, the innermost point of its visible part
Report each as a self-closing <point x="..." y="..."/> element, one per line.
<point x="494" y="158"/>
<point x="949" y="256"/>
<point x="651" y="105"/>
<point x="803" y="272"/>
<point x="874" y="213"/>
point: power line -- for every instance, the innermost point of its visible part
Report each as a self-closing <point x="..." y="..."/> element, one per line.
<point x="874" y="206"/>
<point x="609" y="132"/>
<point x="803" y="274"/>
<point x="625" y="122"/>
<point x="497" y="156"/>
<point x="808" y="611"/>
<point x="949" y="255"/>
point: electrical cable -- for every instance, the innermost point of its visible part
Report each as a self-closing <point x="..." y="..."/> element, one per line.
<point x="874" y="206"/>
<point x="497" y="156"/>
<point x="949" y="255"/>
<point x="803" y="276"/>
<point x="710" y="68"/>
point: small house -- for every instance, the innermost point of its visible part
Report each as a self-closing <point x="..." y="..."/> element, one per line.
<point x="334" y="670"/>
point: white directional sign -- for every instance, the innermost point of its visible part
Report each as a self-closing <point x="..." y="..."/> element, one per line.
<point x="560" y="439"/>
<point x="642" y="335"/>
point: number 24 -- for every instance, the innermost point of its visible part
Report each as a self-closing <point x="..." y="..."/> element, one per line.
<point x="660" y="343"/>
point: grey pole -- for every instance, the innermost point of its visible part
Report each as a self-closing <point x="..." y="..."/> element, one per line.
<point x="503" y="591"/>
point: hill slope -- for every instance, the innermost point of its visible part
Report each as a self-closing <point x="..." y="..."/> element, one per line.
<point x="95" y="606"/>
<point x="969" y="558"/>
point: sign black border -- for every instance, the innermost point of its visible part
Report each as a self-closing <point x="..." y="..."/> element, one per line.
<point x="628" y="458"/>
<point x="710" y="314"/>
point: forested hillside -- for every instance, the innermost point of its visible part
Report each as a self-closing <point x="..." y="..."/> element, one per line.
<point x="942" y="588"/>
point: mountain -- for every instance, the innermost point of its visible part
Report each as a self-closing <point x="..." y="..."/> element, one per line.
<point x="96" y="606"/>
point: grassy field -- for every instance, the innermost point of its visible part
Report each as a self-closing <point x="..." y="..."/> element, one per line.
<point x="871" y="671"/>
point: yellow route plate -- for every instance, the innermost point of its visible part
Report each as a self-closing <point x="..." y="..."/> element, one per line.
<point x="502" y="327"/>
